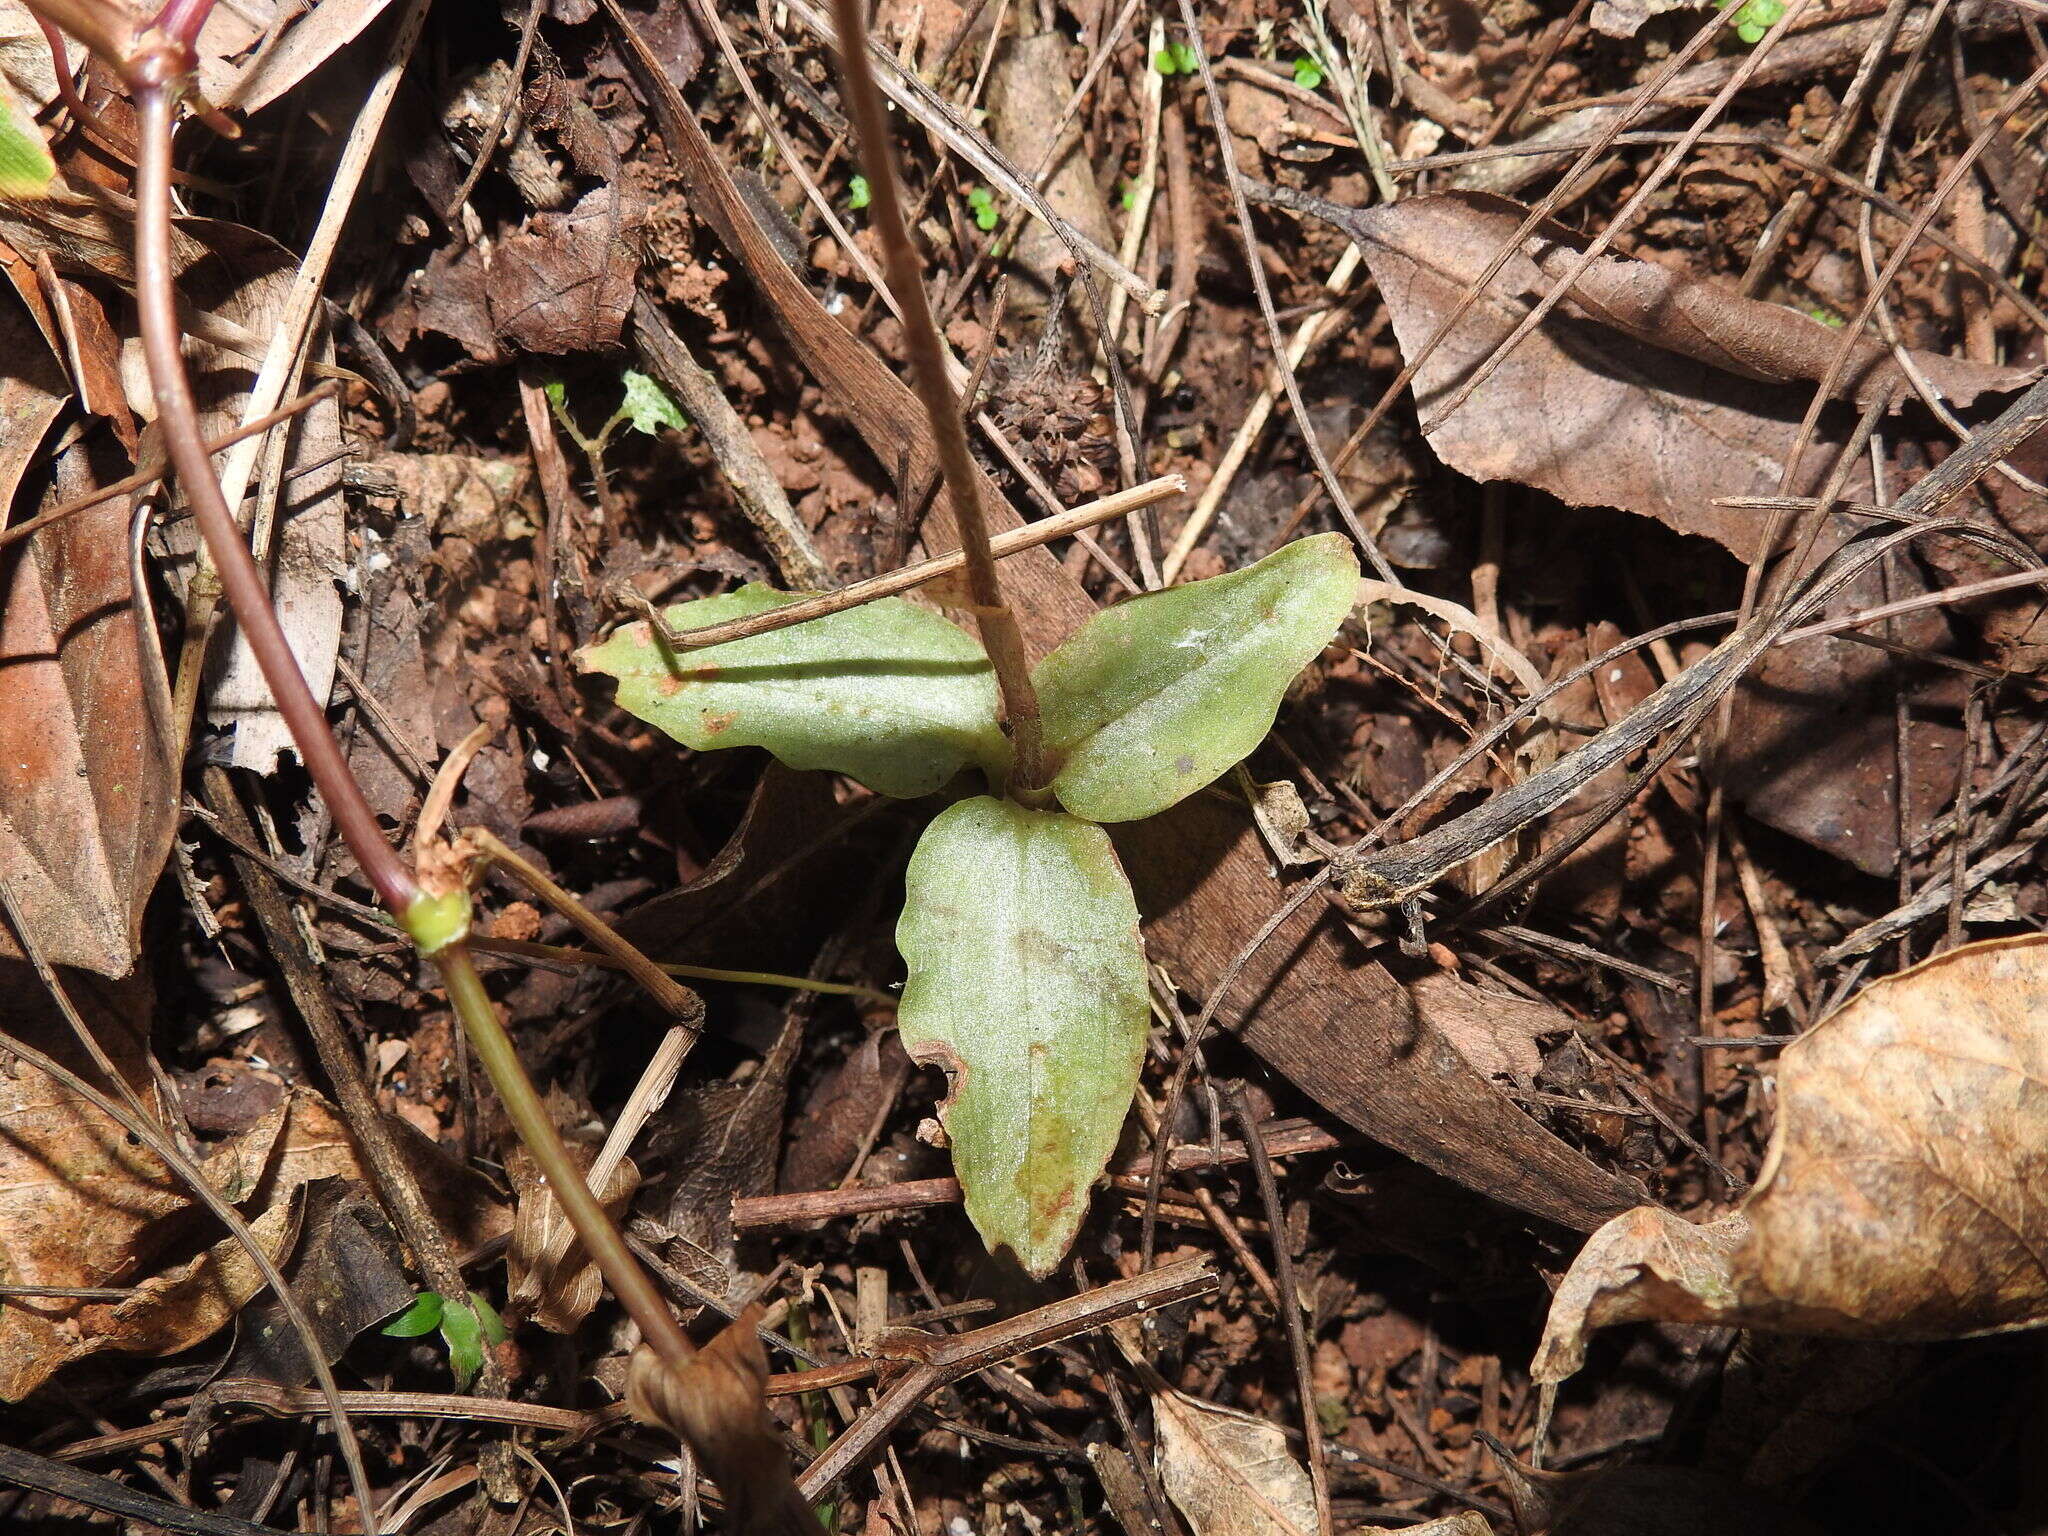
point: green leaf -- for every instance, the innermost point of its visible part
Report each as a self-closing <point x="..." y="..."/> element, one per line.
<point x="1308" y="74"/>
<point x="1152" y="699"/>
<point x="1027" y="984"/>
<point x="487" y="1315"/>
<point x="857" y="193"/>
<point x="557" y="394"/>
<point x="26" y="169"/>
<point x="422" y="1317"/>
<point x="890" y="694"/>
<point x="983" y="203"/>
<point x="463" y="1332"/>
<point x="647" y="405"/>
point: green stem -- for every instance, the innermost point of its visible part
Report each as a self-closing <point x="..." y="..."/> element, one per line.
<point x="529" y="1117"/>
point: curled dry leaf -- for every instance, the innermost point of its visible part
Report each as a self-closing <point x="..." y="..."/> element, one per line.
<point x="548" y="1276"/>
<point x="1229" y="1473"/>
<point x="716" y="1404"/>
<point x="1905" y="1195"/>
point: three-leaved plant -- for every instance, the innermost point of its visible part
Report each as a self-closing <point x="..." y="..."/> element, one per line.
<point x="1026" y="971"/>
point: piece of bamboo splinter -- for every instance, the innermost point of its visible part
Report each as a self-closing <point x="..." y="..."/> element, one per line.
<point x="888" y="584"/>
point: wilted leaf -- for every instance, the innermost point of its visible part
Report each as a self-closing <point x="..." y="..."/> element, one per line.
<point x="1230" y="1474"/>
<point x="253" y="52"/>
<point x="1027" y="985"/>
<point x="1905" y="1195"/>
<point x="886" y="693"/>
<point x="1151" y="700"/>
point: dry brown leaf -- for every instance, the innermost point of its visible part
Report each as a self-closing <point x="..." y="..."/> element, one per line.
<point x="1229" y="1473"/>
<point x="1494" y="1031"/>
<point x="253" y="52"/>
<point x="1646" y="390"/>
<point x="545" y="1280"/>
<point x="85" y="792"/>
<point x="1643" y="1501"/>
<point x="81" y="1207"/>
<point x="1905" y="1195"/>
<point x="1028" y="90"/>
<point x="560" y="282"/>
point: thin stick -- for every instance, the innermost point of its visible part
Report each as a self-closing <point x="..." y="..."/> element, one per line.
<point x="904" y="578"/>
<point x="944" y="1360"/>
<point x="1000" y="634"/>
<point x="556" y="954"/>
<point x="142" y="479"/>
<point x="685" y="1006"/>
<point x="1290" y="1304"/>
<point x="1257" y="271"/>
<point x="246" y="589"/>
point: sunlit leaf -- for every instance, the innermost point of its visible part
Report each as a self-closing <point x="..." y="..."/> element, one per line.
<point x="647" y="407"/>
<point x="1152" y="699"/>
<point x="26" y="169"/>
<point x="463" y="1332"/>
<point x="889" y="694"/>
<point x="422" y="1317"/>
<point x="487" y="1315"/>
<point x="1027" y="985"/>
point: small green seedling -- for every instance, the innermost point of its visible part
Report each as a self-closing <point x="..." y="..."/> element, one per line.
<point x="464" y="1329"/>
<point x="1308" y="74"/>
<point x="983" y="204"/>
<point x="857" y="193"/>
<point x="644" y="406"/>
<point x="1755" y="18"/>
<point x="1026" y="974"/>
<point x="1176" y="59"/>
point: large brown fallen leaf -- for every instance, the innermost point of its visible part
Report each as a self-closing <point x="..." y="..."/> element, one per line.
<point x="84" y="790"/>
<point x="1905" y="1195"/>
<point x="1656" y="393"/>
<point x="1311" y="1003"/>
<point x="1644" y="390"/>
<point x="80" y="1206"/>
<point x="1229" y="1473"/>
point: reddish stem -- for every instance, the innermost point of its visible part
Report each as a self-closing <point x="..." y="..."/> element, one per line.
<point x="241" y="580"/>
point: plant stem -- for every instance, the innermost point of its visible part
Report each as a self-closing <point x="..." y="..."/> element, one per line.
<point x="242" y="581"/>
<point x="1000" y="635"/>
<point x="529" y="1117"/>
<point x="154" y="83"/>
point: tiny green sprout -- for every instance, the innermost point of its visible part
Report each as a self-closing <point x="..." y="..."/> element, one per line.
<point x="983" y="202"/>
<point x="1824" y="316"/>
<point x="464" y="1329"/>
<point x="1754" y="18"/>
<point x="1308" y="74"/>
<point x="857" y="193"/>
<point x="557" y="395"/>
<point x="1129" y="196"/>
<point x="647" y="407"/>
<point x="1176" y="59"/>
